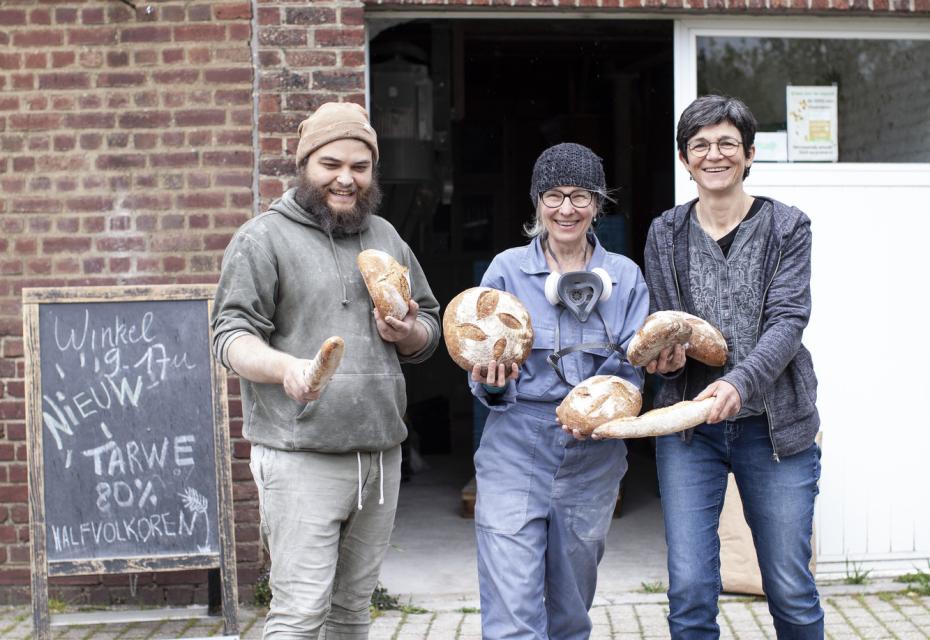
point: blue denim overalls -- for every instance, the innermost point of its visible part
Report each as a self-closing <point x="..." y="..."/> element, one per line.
<point x="545" y="500"/>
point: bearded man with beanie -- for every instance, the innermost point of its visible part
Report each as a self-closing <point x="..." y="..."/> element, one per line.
<point x="545" y="494"/>
<point x="327" y="463"/>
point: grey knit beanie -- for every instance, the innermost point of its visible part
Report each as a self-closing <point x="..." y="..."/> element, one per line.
<point x="568" y="165"/>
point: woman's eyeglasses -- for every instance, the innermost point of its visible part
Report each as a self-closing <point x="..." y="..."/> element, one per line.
<point x="727" y="147"/>
<point x="554" y="199"/>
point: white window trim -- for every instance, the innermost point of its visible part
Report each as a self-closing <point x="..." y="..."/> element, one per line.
<point x="688" y="30"/>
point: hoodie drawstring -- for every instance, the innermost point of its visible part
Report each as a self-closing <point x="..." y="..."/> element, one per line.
<point x="358" y="456"/>
<point x="381" y="475"/>
<point x="345" y="293"/>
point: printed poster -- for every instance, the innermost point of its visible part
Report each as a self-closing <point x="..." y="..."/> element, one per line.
<point x="812" y="124"/>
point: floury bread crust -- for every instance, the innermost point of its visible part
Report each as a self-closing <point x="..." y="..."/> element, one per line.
<point x="662" y="329"/>
<point x="706" y="344"/>
<point x="482" y="324"/>
<point x="388" y="282"/>
<point x="324" y="365"/>
<point x="597" y="400"/>
<point x="659" y="422"/>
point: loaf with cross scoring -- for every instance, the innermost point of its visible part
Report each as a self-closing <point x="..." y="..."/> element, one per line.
<point x="388" y="282"/>
<point x="483" y="324"/>
<point x="597" y="400"/>
<point x="662" y="329"/>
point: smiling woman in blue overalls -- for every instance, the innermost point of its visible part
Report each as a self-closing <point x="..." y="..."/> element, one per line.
<point x="545" y="499"/>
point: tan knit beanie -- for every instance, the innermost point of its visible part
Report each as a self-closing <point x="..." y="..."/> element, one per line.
<point x="335" y="121"/>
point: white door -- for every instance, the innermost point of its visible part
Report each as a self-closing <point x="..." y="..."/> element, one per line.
<point x="871" y="278"/>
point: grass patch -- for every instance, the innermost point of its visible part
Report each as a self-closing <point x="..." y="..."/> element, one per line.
<point x="855" y="574"/>
<point x="917" y="582"/>
<point x="469" y="610"/>
<point x="57" y="606"/>
<point x="653" y="587"/>
<point x="382" y="601"/>
<point x="261" y="596"/>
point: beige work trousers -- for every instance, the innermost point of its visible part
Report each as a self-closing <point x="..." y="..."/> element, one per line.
<point x="326" y="553"/>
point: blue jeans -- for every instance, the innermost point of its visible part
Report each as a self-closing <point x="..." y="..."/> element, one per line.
<point x="778" y="502"/>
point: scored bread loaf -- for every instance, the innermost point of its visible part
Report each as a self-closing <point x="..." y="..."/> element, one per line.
<point x="706" y="343"/>
<point x="482" y="324"/>
<point x="662" y="329"/>
<point x="659" y="422"/>
<point x="388" y="282"/>
<point x="325" y="363"/>
<point x="597" y="400"/>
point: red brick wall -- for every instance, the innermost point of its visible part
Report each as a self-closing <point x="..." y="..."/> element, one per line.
<point x="309" y="53"/>
<point x="126" y="157"/>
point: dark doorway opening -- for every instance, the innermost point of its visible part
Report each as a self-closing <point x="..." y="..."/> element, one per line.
<point x="462" y="109"/>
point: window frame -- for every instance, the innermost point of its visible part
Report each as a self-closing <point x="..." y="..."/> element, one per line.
<point x="688" y="30"/>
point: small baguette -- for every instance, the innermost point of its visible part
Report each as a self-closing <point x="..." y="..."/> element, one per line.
<point x="659" y="422"/>
<point x="325" y="363"/>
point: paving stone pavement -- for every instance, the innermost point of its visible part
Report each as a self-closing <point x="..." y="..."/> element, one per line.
<point x="874" y="612"/>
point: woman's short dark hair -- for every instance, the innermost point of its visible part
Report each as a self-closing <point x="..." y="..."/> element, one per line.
<point x="709" y="110"/>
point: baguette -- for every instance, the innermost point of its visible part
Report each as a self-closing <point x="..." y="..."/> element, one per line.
<point x="659" y="422"/>
<point x="325" y="363"/>
<point x="388" y="282"/>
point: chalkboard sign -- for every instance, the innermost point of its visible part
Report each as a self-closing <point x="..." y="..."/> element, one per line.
<point x="129" y="451"/>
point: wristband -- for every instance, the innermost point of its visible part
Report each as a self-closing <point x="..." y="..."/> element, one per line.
<point x="492" y="389"/>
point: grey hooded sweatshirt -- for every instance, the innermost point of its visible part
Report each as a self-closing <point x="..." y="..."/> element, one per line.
<point x="292" y="285"/>
<point x="778" y="373"/>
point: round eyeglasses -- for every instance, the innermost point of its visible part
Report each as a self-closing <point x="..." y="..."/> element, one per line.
<point x="554" y="199"/>
<point x="727" y="147"/>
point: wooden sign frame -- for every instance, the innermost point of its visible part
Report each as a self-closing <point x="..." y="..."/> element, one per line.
<point x="42" y="569"/>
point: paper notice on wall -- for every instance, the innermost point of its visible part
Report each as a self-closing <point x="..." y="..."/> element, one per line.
<point x="771" y="146"/>
<point x="812" y="124"/>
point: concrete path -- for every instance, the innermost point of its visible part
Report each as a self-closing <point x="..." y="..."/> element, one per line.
<point x="880" y="610"/>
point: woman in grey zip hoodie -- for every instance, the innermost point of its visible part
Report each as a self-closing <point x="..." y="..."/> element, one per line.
<point x="743" y="264"/>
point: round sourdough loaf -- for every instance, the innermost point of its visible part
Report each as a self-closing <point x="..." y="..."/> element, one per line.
<point x="388" y="282"/>
<point x="597" y="400"/>
<point x="482" y="324"/>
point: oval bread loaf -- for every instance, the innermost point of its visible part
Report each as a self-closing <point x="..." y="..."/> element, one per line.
<point x="325" y="363"/>
<point x="388" y="282"/>
<point x="660" y="330"/>
<point x="659" y="422"/>
<point x="706" y="343"/>
<point x="597" y="400"/>
<point x="482" y="324"/>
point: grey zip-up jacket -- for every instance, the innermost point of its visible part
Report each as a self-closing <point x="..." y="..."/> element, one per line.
<point x="287" y="282"/>
<point x="779" y="370"/>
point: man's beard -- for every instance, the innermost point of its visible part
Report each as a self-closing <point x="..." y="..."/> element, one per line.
<point x="312" y="199"/>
